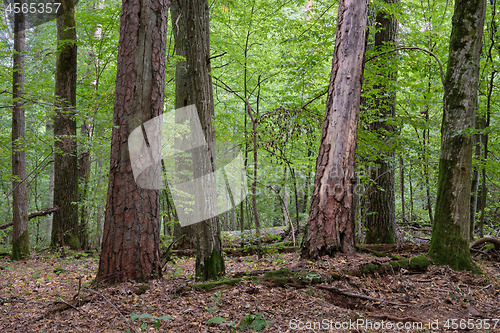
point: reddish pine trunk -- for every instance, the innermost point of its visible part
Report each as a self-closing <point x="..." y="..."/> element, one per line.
<point x="130" y="248"/>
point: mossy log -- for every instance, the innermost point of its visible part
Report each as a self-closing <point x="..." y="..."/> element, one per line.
<point x="374" y="252"/>
<point x="389" y="248"/>
<point x="239" y="252"/>
<point x="418" y="263"/>
<point x="281" y="277"/>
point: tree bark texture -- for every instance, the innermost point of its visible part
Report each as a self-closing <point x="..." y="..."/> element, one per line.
<point x="331" y="227"/>
<point x="194" y="86"/>
<point x="130" y="247"/>
<point x="381" y="208"/>
<point x="84" y="166"/>
<point x="450" y="237"/>
<point x="65" y="229"/>
<point x="20" y="235"/>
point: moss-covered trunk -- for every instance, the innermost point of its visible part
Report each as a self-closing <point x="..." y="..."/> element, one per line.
<point x="65" y="230"/>
<point x="331" y="227"/>
<point x="450" y="237"/>
<point x="194" y="86"/>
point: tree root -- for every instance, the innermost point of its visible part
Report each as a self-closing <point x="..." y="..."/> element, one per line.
<point x="494" y="241"/>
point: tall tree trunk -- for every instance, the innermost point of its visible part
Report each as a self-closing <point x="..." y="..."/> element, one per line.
<point x="194" y="86"/>
<point x="20" y="235"/>
<point x="84" y="158"/>
<point x="130" y="247"/>
<point x="493" y="29"/>
<point x="381" y="218"/>
<point x="450" y="237"/>
<point x="331" y="227"/>
<point x="65" y="230"/>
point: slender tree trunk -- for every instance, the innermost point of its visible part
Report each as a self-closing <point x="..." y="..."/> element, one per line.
<point x="381" y="218"/>
<point x="477" y="147"/>
<point x="84" y="160"/>
<point x="484" y="189"/>
<point x="194" y="86"/>
<point x="130" y="249"/>
<point x="254" y="182"/>
<point x="450" y="236"/>
<point x="20" y="235"/>
<point x="49" y="127"/>
<point x="331" y="227"/>
<point x="84" y="164"/>
<point x="411" y="194"/>
<point x="295" y="192"/>
<point x="425" y="170"/>
<point x="284" y="205"/>
<point x="65" y="230"/>
<point x="307" y="182"/>
<point x="402" y="187"/>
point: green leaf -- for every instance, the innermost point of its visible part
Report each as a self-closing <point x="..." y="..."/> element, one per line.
<point x="216" y="320"/>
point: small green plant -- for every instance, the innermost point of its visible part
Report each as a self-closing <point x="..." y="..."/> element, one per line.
<point x="148" y="320"/>
<point x="313" y="276"/>
<point x="214" y="305"/>
<point x="256" y="322"/>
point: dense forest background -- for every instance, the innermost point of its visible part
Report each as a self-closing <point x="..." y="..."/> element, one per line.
<point x="278" y="55"/>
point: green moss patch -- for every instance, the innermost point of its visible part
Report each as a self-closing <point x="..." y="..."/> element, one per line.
<point x="418" y="263"/>
<point x="213" y="284"/>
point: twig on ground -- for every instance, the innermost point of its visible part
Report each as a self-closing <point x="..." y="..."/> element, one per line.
<point x="117" y="310"/>
<point x="365" y="297"/>
<point x="68" y="304"/>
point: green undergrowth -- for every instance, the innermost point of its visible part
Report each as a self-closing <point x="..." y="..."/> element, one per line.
<point x="280" y="277"/>
<point x="417" y="263"/>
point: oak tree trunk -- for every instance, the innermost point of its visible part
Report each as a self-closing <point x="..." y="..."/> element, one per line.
<point x="331" y="227"/>
<point x="381" y="208"/>
<point x="130" y="247"/>
<point x="450" y="237"/>
<point x="194" y="86"/>
<point x="20" y="235"/>
<point x="65" y="229"/>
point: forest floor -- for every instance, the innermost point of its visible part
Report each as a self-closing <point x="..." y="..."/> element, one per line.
<point x="38" y="295"/>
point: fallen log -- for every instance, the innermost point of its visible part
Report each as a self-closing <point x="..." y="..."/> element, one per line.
<point x="238" y="252"/>
<point x="31" y="216"/>
<point x="388" y="248"/>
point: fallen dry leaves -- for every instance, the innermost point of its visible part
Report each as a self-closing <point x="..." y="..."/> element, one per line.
<point x="38" y="295"/>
